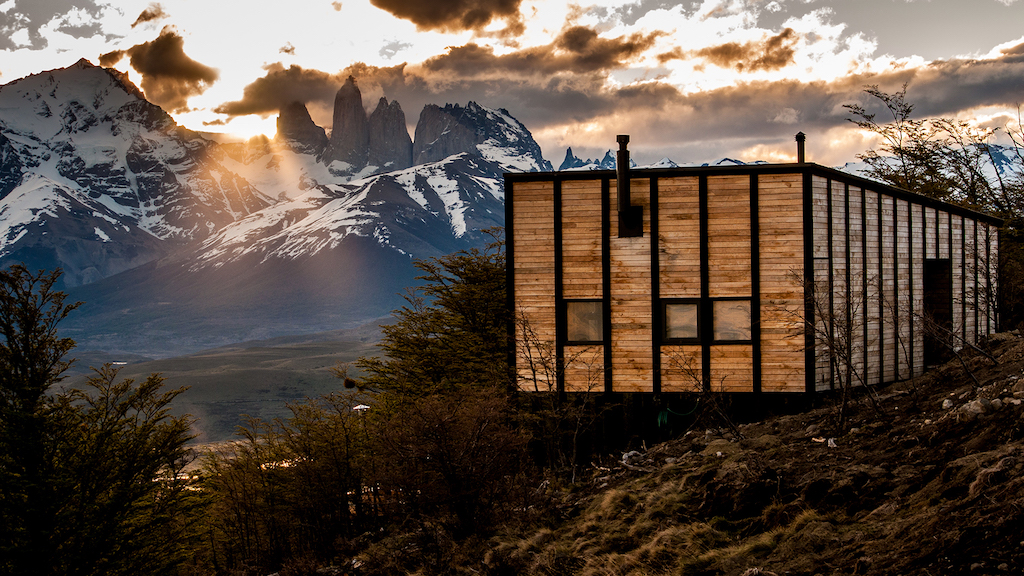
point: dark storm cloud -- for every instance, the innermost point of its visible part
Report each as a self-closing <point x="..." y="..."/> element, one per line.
<point x="1015" y="50"/>
<point x="464" y="73"/>
<point x="33" y="14"/>
<point x="154" y="12"/>
<point x="748" y="114"/>
<point x="453" y="15"/>
<point x="559" y="88"/>
<point x="773" y="53"/>
<point x="577" y="49"/>
<point x="283" y="85"/>
<point x="111" y="58"/>
<point x="169" y="76"/>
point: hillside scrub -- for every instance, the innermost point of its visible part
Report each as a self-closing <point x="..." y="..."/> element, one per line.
<point x="951" y="160"/>
<point x="89" y="477"/>
<point x="925" y="477"/>
<point x="935" y="485"/>
<point x="431" y="475"/>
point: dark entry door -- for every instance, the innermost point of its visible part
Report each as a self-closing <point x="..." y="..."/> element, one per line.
<point x="938" y="310"/>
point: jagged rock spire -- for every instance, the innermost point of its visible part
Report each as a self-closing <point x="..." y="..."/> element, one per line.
<point x="350" y="132"/>
<point x="390" y="145"/>
<point x="297" y="130"/>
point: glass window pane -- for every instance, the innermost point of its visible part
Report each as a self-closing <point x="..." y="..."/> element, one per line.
<point x="732" y="320"/>
<point x="584" y="322"/>
<point x="681" y="321"/>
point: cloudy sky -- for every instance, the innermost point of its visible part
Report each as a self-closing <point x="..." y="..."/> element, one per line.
<point x="690" y="80"/>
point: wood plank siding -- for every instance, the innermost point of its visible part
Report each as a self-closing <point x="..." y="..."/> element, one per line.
<point x="750" y="279"/>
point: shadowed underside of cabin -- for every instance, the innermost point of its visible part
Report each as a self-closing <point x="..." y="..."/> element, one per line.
<point x="759" y="278"/>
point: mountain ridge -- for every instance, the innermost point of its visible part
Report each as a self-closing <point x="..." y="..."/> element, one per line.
<point x="154" y="223"/>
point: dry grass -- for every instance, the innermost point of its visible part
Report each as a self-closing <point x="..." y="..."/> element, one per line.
<point x="917" y="489"/>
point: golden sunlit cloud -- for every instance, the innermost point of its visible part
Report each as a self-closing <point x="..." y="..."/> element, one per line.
<point x="705" y="79"/>
<point x="453" y="15"/>
<point x="774" y="53"/>
<point x="150" y="14"/>
<point x="169" y="76"/>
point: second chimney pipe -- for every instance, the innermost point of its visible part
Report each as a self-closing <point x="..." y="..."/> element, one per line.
<point x="800" y="139"/>
<point x="622" y="172"/>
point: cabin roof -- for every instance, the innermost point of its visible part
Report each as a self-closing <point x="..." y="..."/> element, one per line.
<point x="787" y="168"/>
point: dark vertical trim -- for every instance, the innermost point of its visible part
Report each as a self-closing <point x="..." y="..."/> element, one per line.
<point x="936" y="243"/>
<point x="706" y="312"/>
<point x="881" y="294"/>
<point x="974" y="255"/>
<point x="989" y="293"/>
<point x="949" y="236"/>
<point x="656" y="319"/>
<point x="831" y="286"/>
<point x="910" y="275"/>
<point x="949" y="247"/>
<point x="560" y="328"/>
<point x="994" y="234"/>
<point x="849" y="288"/>
<point x="606" y="280"/>
<point x="896" y="331"/>
<point x="755" y="284"/>
<point x="949" y="243"/>
<point x="963" y="276"/>
<point x="864" y="275"/>
<point x="809" y="320"/>
<point x="510" y="281"/>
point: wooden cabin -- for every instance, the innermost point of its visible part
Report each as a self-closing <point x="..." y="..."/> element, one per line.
<point x="756" y="278"/>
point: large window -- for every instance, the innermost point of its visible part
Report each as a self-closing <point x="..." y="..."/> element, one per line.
<point x="584" y="321"/>
<point x="684" y="322"/>
<point x="732" y="320"/>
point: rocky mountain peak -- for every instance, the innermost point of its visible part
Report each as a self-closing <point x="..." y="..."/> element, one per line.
<point x="442" y="132"/>
<point x="350" y="133"/>
<point x="122" y="80"/>
<point x="608" y="162"/>
<point x="570" y="161"/>
<point x="390" y="144"/>
<point x="10" y="167"/>
<point x="97" y="180"/>
<point x="474" y="129"/>
<point x="297" y="131"/>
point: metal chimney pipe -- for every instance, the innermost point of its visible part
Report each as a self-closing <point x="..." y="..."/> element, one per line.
<point x="622" y="172"/>
<point x="631" y="218"/>
<point x="800" y="155"/>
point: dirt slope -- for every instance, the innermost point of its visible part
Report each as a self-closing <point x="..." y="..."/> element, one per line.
<point x="925" y="478"/>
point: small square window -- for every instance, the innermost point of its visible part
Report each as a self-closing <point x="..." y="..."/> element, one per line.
<point x="732" y="320"/>
<point x="584" y="321"/>
<point x="681" y="321"/>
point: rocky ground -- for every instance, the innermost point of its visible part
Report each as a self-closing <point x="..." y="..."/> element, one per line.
<point x="922" y="477"/>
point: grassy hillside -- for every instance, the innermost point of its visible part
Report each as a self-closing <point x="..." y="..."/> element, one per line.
<point x="928" y="478"/>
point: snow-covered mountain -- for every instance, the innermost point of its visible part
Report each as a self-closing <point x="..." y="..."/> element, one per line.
<point x="176" y="242"/>
<point x="608" y="162"/>
<point x="97" y="180"/>
<point x="1002" y="159"/>
<point x="422" y="211"/>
